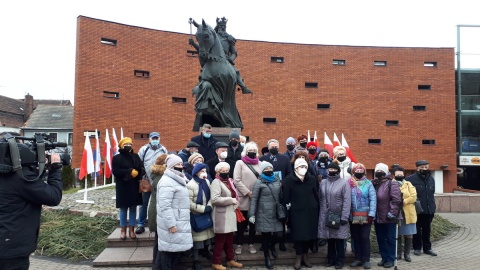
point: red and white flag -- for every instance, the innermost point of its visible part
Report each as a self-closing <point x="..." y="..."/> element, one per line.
<point x="308" y="136"/>
<point x="315" y="139"/>
<point x="114" y="142"/>
<point x="348" y="150"/>
<point x="327" y="144"/>
<point x="96" y="153"/>
<point x="107" y="153"/>
<point x="87" y="159"/>
<point x="336" y="141"/>
<point x="121" y="133"/>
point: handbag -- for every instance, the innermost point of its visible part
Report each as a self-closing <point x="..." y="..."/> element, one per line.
<point x="144" y="186"/>
<point x="418" y="207"/>
<point x="333" y="218"/>
<point x="201" y="222"/>
<point x="279" y="208"/>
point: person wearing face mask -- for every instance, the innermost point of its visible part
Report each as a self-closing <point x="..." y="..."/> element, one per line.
<point x="243" y="140"/>
<point x="234" y="150"/>
<point x="173" y="214"/>
<point x="281" y="163"/>
<point x="424" y="184"/>
<point x="262" y="212"/>
<point x="128" y="170"/>
<point x="221" y="154"/>
<point x="364" y="206"/>
<point x="206" y="141"/>
<point x="313" y="157"/>
<point x="408" y="224"/>
<point x="199" y="190"/>
<point x="290" y="147"/>
<point x="302" y="143"/>
<point x="300" y="194"/>
<point x="302" y="155"/>
<point x="389" y="203"/>
<point x="192" y="160"/>
<point x="322" y="165"/>
<point x="148" y="154"/>
<point x="335" y="197"/>
<point x="247" y="171"/>
<point x="192" y="148"/>
<point x="346" y="165"/>
<point x="224" y="198"/>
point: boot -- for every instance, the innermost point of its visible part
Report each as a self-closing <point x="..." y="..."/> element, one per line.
<point x="399" y="248"/>
<point x="196" y="266"/>
<point x="268" y="263"/>
<point x="407" y="247"/>
<point x="207" y="254"/>
<point x="218" y="267"/>
<point x="131" y="230"/>
<point x="123" y="233"/>
<point x="314" y="248"/>
<point x="234" y="264"/>
<point x="274" y="251"/>
<point x="298" y="262"/>
<point x="281" y="245"/>
<point x="305" y="261"/>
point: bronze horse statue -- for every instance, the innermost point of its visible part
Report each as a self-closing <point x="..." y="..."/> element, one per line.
<point x="215" y="92"/>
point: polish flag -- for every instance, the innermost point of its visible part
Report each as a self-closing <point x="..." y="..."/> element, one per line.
<point x="308" y="136"/>
<point x="107" y="153"/>
<point x="87" y="159"/>
<point x="336" y="141"/>
<point x="115" y="142"/>
<point x="327" y="144"/>
<point x="315" y="139"/>
<point x="348" y="151"/>
<point x="121" y="133"/>
<point x="96" y="153"/>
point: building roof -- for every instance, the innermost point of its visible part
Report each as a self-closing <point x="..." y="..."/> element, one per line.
<point x="50" y="117"/>
<point x="57" y="102"/>
<point x="11" y="105"/>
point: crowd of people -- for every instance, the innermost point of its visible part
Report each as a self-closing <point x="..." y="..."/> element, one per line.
<point x="208" y="195"/>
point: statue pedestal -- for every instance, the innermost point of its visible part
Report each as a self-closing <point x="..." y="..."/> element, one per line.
<point x="221" y="133"/>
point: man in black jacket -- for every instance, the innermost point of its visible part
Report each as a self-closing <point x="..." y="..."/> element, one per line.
<point x="20" y="206"/>
<point x="220" y="155"/>
<point x="206" y="142"/>
<point x="281" y="163"/>
<point x="424" y="183"/>
<point x="234" y="150"/>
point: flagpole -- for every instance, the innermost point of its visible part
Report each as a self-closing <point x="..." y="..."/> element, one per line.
<point x="85" y="194"/>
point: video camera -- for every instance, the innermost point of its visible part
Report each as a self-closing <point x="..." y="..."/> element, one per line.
<point x="14" y="155"/>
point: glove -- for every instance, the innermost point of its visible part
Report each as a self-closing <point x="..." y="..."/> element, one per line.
<point x="343" y="222"/>
<point x="252" y="220"/>
<point x="134" y="173"/>
<point x="391" y="216"/>
<point x="370" y="220"/>
<point x="208" y="209"/>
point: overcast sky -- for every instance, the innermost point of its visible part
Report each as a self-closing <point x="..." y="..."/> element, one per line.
<point x="37" y="38"/>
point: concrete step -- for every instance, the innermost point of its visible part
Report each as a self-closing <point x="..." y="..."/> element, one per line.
<point x="145" y="239"/>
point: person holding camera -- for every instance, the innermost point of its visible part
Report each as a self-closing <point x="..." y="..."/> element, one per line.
<point x="389" y="203"/>
<point x="20" y="208"/>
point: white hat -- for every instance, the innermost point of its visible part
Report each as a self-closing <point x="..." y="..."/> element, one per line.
<point x="382" y="167"/>
<point x="299" y="162"/>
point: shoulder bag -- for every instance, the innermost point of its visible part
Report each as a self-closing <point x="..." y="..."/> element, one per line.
<point x="279" y="208"/>
<point x="333" y="218"/>
<point x="144" y="186"/>
<point x="201" y="222"/>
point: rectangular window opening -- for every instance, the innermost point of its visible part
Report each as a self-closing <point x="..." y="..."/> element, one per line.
<point x="391" y="122"/>
<point x="269" y="120"/>
<point x="428" y="142"/>
<point x="179" y="100"/>
<point x="419" y="108"/>
<point x="108" y="94"/>
<point x="141" y="73"/>
<point x="140" y="136"/>
<point x="192" y="53"/>
<point x="70" y="138"/>
<point x="424" y="87"/>
<point x="379" y="63"/>
<point x="108" y="41"/>
<point x="311" y="85"/>
<point x="323" y="106"/>
<point x="429" y="64"/>
<point x="338" y="62"/>
<point x="276" y="59"/>
<point x="374" y="141"/>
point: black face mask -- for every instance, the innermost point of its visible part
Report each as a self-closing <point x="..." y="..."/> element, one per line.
<point x="268" y="173"/>
<point x="273" y="151"/>
<point x="323" y="159"/>
<point x="252" y="154"/>
<point x="332" y="173"/>
<point x="342" y="158"/>
<point x="380" y="175"/>
<point x="303" y="144"/>
<point x="290" y="147"/>
<point x="399" y="178"/>
<point x="233" y="143"/>
<point x="179" y="169"/>
<point x="359" y="175"/>
<point x="224" y="175"/>
<point x="312" y="151"/>
<point x="127" y="148"/>
<point x="425" y="172"/>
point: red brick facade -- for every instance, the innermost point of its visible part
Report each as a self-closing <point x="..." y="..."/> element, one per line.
<point x="362" y="96"/>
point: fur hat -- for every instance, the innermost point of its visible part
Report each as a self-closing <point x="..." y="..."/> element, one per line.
<point x="198" y="167"/>
<point x="421" y="163"/>
<point x="381" y="167"/>
<point x="173" y="160"/>
<point x="222" y="165"/>
<point x="299" y="162"/>
<point x="194" y="156"/>
<point x="334" y="165"/>
<point x="265" y="165"/>
<point x="124" y="141"/>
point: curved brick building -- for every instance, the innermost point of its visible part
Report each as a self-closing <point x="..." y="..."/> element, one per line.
<point x="394" y="105"/>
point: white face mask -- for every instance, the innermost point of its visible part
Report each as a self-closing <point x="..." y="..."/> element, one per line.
<point x="223" y="155"/>
<point x="302" y="171"/>
<point x="203" y="175"/>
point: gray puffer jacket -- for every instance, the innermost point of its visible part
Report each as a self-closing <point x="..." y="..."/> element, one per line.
<point x="262" y="205"/>
<point x="173" y="210"/>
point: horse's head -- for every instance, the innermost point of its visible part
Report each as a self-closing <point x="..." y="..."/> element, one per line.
<point x="206" y="38"/>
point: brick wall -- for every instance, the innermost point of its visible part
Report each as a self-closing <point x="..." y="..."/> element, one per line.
<point x="361" y="96"/>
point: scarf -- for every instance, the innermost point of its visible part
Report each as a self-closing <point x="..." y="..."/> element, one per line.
<point x="202" y="188"/>
<point x="312" y="157"/>
<point x="358" y="186"/>
<point x="377" y="182"/>
<point x="250" y="161"/>
<point x="268" y="178"/>
<point x="228" y="183"/>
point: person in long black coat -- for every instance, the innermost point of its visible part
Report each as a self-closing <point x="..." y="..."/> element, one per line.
<point x="300" y="191"/>
<point x="127" y="167"/>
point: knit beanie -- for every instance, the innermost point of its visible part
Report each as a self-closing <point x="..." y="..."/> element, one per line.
<point x="290" y="140"/>
<point x="198" y="167"/>
<point x="194" y="156"/>
<point x="234" y="135"/>
<point x="222" y="165"/>
<point x="311" y="144"/>
<point x="334" y="165"/>
<point x="265" y="165"/>
<point x="299" y="162"/>
<point x="172" y="160"/>
<point x="124" y="141"/>
<point x="382" y="167"/>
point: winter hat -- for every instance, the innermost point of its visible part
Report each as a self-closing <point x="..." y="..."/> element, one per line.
<point x="302" y="137"/>
<point x="264" y="150"/>
<point x="221" y="145"/>
<point x="290" y="140"/>
<point x="421" y="163"/>
<point x="334" y="165"/>
<point x="172" y="160"/>
<point x="161" y="159"/>
<point x="194" y="157"/>
<point x="265" y="165"/>
<point x="154" y="134"/>
<point x="222" y="165"/>
<point x="359" y="168"/>
<point x="324" y="153"/>
<point x="234" y="135"/>
<point x="198" y="167"/>
<point x="381" y="167"/>
<point x="311" y="144"/>
<point x="299" y="162"/>
<point x="124" y="141"/>
<point x="192" y="144"/>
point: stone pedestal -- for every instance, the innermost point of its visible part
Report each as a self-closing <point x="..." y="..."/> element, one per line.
<point x="221" y="133"/>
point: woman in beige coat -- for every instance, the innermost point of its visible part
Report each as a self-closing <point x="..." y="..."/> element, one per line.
<point x="408" y="225"/>
<point x="199" y="192"/>
<point x="223" y="197"/>
<point x="246" y="173"/>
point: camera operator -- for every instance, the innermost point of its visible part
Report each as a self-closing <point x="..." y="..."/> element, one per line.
<point x="20" y="206"/>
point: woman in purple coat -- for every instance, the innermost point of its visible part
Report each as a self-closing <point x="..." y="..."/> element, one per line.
<point x="388" y="211"/>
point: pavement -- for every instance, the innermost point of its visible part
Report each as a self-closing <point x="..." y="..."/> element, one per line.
<point x="459" y="250"/>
